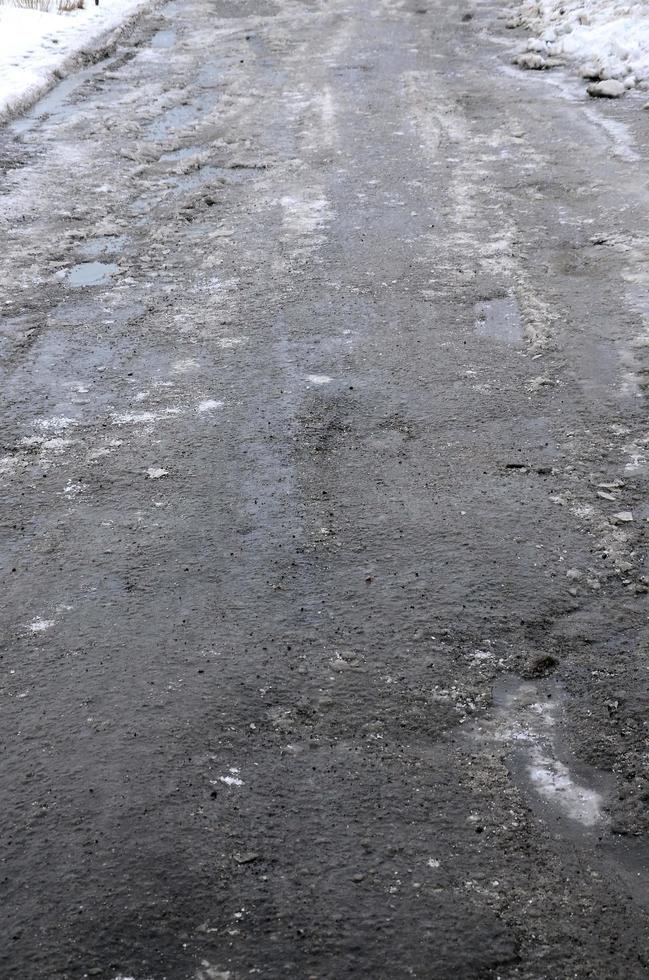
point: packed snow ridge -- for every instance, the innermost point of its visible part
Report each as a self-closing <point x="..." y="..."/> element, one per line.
<point x="607" y="40"/>
<point x="36" y="46"/>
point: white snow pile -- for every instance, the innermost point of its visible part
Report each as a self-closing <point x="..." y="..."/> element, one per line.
<point x="607" y="40"/>
<point x="36" y="46"/>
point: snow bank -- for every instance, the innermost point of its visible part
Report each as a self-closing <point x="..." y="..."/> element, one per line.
<point x="36" y="46"/>
<point x="605" y="39"/>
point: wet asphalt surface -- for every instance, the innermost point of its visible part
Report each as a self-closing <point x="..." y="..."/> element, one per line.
<point x="324" y="355"/>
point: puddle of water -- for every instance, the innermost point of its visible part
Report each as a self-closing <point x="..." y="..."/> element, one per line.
<point x="499" y="319"/>
<point x="164" y="39"/>
<point x="91" y="273"/>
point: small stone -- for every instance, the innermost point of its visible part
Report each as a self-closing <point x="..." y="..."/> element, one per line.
<point x="245" y="857"/>
<point x="358" y="877"/>
<point x="605" y="495"/>
<point x="623" y="517"/>
<point x="608" y="89"/>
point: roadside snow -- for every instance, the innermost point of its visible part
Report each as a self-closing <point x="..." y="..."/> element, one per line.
<point x="34" y="45"/>
<point x="605" y="39"/>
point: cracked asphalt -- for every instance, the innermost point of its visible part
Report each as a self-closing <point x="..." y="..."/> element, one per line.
<point x="323" y="486"/>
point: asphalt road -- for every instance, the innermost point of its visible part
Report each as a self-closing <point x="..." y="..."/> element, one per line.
<point x="324" y="498"/>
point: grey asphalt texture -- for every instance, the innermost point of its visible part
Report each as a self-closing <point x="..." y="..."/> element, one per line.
<point x="324" y="496"/>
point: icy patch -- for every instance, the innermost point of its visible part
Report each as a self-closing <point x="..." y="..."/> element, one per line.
<point x="319" y="379"/>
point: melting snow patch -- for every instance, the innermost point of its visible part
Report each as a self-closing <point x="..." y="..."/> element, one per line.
<point x="137" y="418"/>
<point x="529" y="724"/>
<point x="231" y="780"/>
<point x="185" y="365"/>
<point x="74" y="489"/>
<point x="56" y="424"/>
<point x="57" y="444"/>
<point x="227" y="343"/>
<point x="209" y="405"/>
<point x="553" y="781"/>
<point x="39" y="625"/>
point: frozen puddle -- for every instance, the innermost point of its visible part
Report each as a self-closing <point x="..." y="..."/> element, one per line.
<point x="527" y="718"/>
<point x="92" y="273"/>
<point x="499" y="319"/>
<point x="164" y="39"/>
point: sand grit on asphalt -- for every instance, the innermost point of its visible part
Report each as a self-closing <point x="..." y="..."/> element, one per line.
<point x="323" y="485"/>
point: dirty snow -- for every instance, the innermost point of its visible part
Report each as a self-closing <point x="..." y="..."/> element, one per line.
<point x="603" y="39"/>
<point x="35" y="44"/>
